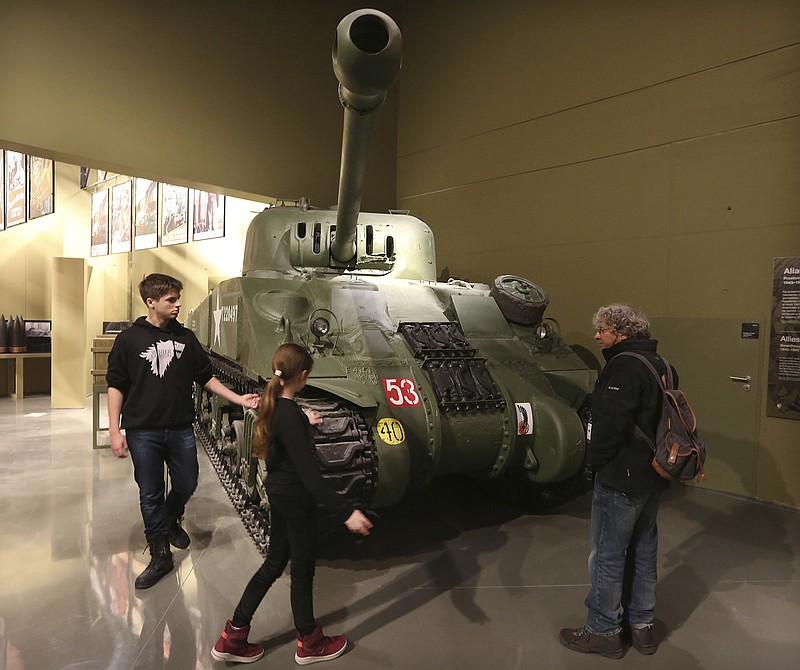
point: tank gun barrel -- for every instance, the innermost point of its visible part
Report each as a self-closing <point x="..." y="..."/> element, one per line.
<point x="367" y="54"/>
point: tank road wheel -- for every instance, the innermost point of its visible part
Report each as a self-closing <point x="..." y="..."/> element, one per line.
<point x="521" y="301"/>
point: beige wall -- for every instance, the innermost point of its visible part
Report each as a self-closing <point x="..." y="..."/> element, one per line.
<point x="614" y="150"/>
<point x="236" y="97"/>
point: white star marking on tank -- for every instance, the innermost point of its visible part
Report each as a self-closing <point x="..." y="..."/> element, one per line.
<point x="217" y="322"/>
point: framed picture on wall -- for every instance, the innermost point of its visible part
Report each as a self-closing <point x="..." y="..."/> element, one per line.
<point x="208" y="215"/>
<point x="41" y="196"/>
<point x="121" y="217"/>
<point x="99" y="244"/>
<point x="145" y="213"/>
<point x="174" y="215"/>
<point x="15" y="188"/>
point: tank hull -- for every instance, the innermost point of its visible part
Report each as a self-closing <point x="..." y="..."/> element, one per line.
<point x="443" y="382"/>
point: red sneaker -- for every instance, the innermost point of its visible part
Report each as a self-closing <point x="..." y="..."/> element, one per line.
<point x="233" y="646"/>
<point x="316" y="647"/>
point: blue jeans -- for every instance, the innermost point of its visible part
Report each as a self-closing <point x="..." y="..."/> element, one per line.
<point x="292" y="535"/>
<point x="622" y="562"/>
<point x="150" y="450"/>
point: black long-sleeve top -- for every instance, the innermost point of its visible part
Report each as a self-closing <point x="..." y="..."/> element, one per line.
<point x="626" y="396"/>
<point x="292" y="467"/>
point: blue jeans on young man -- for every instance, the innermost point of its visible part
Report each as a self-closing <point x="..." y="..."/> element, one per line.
<point x="292" y="537"/>
<point x="151" y="449"/>
<point x="622" y="561"/>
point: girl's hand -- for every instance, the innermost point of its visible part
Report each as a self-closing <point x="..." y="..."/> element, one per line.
<point x="357" y="522"/>
<point x="314" y="417"/>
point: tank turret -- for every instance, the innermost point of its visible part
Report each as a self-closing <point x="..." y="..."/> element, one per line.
<point x="416" y="378"/>
<point x="367" y="55"/>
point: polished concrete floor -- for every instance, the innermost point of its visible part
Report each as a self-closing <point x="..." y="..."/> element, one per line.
<point x="451" y="578"/>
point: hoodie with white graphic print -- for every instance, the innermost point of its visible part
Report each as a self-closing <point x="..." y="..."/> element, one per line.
<point x="155" y="368"/>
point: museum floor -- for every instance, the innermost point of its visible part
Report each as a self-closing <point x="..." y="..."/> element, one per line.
<point x="449" y="579"/>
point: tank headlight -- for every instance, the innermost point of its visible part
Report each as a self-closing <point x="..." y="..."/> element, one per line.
<point x="545" y="330"/>
<point x="320" y="326"/>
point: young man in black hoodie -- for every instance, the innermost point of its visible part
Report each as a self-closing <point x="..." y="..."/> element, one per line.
<point x="624" y="535"/>
<point x="151" y="370"/>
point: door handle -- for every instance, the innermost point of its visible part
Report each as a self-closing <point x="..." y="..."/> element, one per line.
<point x="742" y="380"/>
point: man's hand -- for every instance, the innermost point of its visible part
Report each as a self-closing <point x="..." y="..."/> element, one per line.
<point x="119" y="445"/>
<point x="249" y="400"/>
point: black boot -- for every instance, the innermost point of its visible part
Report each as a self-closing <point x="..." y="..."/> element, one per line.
<point x="178" y="537"/>
<point x="580" y="639"/>
<point x="160" y="562"/>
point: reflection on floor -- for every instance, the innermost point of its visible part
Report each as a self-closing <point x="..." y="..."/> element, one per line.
<point x="451" y="578"/>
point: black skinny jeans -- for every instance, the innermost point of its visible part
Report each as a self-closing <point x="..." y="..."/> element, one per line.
<point x="292" y="537"/>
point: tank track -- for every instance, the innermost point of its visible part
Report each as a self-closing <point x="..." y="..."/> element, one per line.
<point x="344" y="448"/>
<point x="254" y="519"/>
<point x="346" y="453"/>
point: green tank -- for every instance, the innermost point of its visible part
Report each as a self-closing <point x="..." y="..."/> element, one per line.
<point x="417" y="378"/>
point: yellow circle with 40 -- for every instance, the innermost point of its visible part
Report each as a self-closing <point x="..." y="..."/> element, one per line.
<point x="391" y="431"/>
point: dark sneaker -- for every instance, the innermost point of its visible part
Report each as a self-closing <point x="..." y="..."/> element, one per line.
<point x="160" y="563"/>
<point x="316" y="646"/>
<point x="642" y="640"/>
<point x="580" y="639"/>
<point x="178" y="537"/>
<point x="233" y="646"/>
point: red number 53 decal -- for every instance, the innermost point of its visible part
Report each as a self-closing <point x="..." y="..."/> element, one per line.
<point x="400" y="392"/>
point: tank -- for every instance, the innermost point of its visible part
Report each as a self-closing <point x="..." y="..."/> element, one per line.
<point x="416" y="378"/>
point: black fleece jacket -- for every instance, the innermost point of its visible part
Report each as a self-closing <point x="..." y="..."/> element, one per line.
<point x="626" y="395"/>
<point x="292" y="468"/>
<point x="154" y="368"/>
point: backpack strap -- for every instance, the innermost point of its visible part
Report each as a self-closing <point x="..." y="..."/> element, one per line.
<point x="661" y="385"/>
<point x="667" y="383"/>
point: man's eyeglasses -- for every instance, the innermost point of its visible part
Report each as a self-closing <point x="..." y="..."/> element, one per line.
<point x="605" y="330"/>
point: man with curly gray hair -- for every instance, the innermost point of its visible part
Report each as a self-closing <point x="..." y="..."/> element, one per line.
<point x="622" y="320"/>
<point x="627" y="489"/>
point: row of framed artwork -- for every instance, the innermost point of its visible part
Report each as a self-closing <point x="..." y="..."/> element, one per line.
<point x="135" y="214"/>
<point x="27" y="186"/>
<point x="141" y="214"/>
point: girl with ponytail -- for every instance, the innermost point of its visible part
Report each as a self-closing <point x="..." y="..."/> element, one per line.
<point x="295" y="487"/>
<point x="288" y="363"/>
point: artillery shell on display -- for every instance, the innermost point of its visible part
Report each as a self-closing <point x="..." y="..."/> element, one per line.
<point x="4" y="335"/>
<point x="18" y="336"/>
